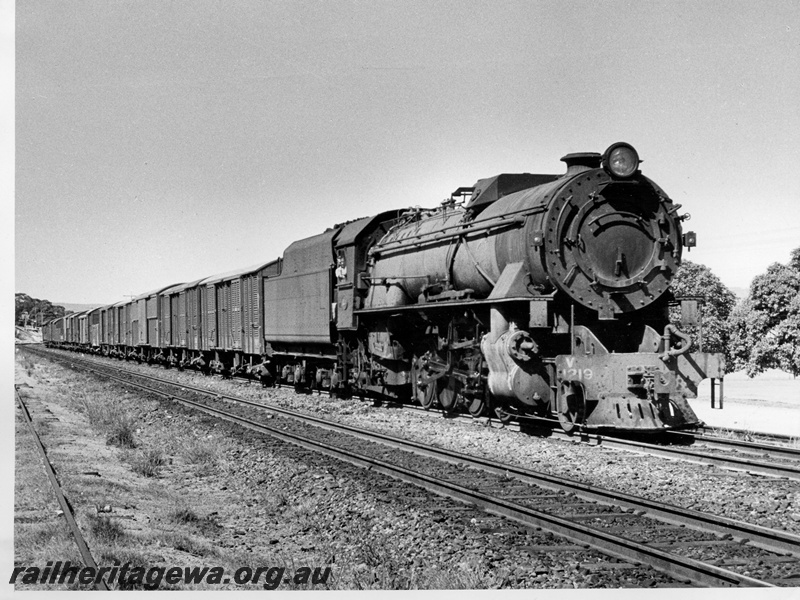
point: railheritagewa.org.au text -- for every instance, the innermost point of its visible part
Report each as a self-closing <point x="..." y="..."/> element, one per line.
<point x="125" y="575"/>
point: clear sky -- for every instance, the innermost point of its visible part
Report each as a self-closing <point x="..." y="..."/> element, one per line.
<point x="158" y="142"/>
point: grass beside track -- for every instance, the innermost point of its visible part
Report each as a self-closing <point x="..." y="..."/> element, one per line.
<point x="154" y="486"/>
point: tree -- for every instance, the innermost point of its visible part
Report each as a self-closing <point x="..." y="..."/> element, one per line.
<point x="717" y="303"/>
<point x="39" y="311"/>
<point x="765" y="329"/>
<point x="794" y="261"/>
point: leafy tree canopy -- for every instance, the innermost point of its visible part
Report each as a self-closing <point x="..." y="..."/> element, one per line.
<point x="39" y="311"/>
<point x="794" y="261"/>
<point x="693" y="279"/>
<point x="765" y="329"/>
<point x="717" y="303"/>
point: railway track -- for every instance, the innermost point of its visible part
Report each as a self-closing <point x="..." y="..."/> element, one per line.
<point x="66" y="507"/>
<point x="748" y="435"/>
<point x="691" y="546"/>
<point x="733" y="453"/>
<point x="738" y="455"/>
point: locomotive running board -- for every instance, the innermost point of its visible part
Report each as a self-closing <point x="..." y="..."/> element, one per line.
<point x="450" y="304"/>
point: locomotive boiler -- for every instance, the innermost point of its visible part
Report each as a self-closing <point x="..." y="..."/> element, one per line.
<point x="542" y="293"/>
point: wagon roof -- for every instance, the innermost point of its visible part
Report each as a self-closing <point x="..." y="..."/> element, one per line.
<point x="180" y="287"/>
<point x="234" y="274"/>
<point x="155" y="291"/>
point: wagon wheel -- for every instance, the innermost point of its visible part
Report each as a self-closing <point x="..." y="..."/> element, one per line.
<point x="448" y="389"/>
<point x="477" y="405"/>
<point x="333" y="387"/>
<point x="571" y="406"/>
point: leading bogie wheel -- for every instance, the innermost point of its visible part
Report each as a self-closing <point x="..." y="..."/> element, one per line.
<point x="571" y="406"/>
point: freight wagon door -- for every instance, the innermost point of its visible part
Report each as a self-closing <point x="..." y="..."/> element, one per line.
<point x="94" y="328"/>
<point x="193" y="317"/>
<point x="130" y="317"/>
<point x="142" y="312"/>
<point x="224" y="314"/>
<point x="165" y="319"/>
<point x="151" y="337"/>
<point x="236" y="314"/>
<point x="83" y="329"/>
<point x="104" y="327"/>
<point x="182" y="330"/>
<point x="210" y="313"/>
<point x="251" y="321"/>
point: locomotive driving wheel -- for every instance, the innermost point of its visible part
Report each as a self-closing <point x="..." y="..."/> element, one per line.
<point x="428" y="396"/>
<point x="477" y="405"/>
<point x="448" y="391"/>
<point x="571" y="406"/>
<point x="424" y="389"/>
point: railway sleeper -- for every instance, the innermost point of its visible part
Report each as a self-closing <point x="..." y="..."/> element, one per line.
<point x="544" y="549"/>
<point x="608" y="566"/>
<point x="608" y="515"/>
<point x="738" y="562"/>
<point x="691" y="543"/>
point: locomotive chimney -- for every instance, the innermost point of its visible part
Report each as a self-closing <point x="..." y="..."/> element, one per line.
<point x="581" y="161"/>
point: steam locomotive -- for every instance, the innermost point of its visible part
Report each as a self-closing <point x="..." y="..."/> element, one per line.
<point x="525" y="293"/>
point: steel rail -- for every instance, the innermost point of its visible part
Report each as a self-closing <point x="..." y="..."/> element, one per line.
<point x="66" y="507"/>
<point x="729" y="462"/>
<point x="742" y="445"/>
<point x="673" y="565"/>
<point x="778" y="437"/>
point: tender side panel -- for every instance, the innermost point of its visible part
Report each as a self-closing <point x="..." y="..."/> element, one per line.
<point x="297" y="305"/>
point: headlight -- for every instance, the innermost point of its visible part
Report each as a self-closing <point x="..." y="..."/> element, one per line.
<point x="621" y="160"/>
